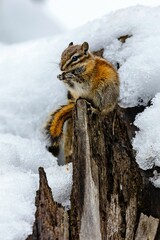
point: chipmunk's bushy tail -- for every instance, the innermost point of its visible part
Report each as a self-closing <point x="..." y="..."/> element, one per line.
<point x="54" y="127"/>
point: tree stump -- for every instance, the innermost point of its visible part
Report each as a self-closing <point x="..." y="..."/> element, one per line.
<point x="109" y="193"/>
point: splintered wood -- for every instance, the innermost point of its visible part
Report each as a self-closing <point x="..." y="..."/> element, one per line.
<point x="51" y="220"/>
<point x="106" y="179"/>
<point x="147" y="228"/>
<point x="109" y="191"/>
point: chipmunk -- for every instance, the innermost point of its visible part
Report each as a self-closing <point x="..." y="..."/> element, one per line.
<point x="86" y="76"/>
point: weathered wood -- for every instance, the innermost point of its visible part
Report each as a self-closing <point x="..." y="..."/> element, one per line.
<point x="51" y="219"/>
<point x="85" y="207"/>
<point x="109" y="190"/>
<point x="68" y="141"/>
<point x="106" y="193"/>
<point x="147" y="228"/>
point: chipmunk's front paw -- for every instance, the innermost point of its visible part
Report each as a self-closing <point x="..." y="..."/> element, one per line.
<point x="66" y="76"/>
<point x="61" y="76"/>
<point x="69" y="76"/>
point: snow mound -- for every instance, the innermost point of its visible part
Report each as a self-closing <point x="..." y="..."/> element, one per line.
<point x="138" y="57"/>
<point x="29" y="92"/>
<point x="147" y="140"/>
<point x="16" y="198"/>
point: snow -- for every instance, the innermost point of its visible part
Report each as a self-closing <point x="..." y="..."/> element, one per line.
<point x="147" y="140"/>
<point x="17" y="189"/>
<point x="155" y="179"/>
<point x="30" y="90"/>
<point x="22" y="20"/>
<point x="139" y="60"/>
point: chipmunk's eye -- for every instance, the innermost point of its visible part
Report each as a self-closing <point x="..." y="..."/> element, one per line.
<point x="74" y="58"/>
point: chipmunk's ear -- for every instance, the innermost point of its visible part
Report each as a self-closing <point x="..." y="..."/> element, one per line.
<point x="70" y="44"/>
<point x="85" y="47"/>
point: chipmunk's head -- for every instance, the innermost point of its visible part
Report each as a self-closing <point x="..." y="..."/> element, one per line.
<point x="74" y="56"/>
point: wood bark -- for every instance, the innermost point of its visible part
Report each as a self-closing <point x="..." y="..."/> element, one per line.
<point x="110" y="194"/>
<point x="106" y="192"/>
<point x="51" y="220"/>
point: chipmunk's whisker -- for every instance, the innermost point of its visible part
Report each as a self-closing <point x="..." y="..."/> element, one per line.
<point x="55" y="63"/>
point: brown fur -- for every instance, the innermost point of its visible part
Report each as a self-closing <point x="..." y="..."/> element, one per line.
<point x="89" y="77"/>
<point x="54" y="126"/>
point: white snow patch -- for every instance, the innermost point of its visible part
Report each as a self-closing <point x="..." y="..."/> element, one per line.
<point x="147" y="139"/>
<point x="138" y="57"/>
<point x="29" y="92"/>
<point x="16" y="203"/>
<point x="156" y="179"/>
<point x="60" y="178"/>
